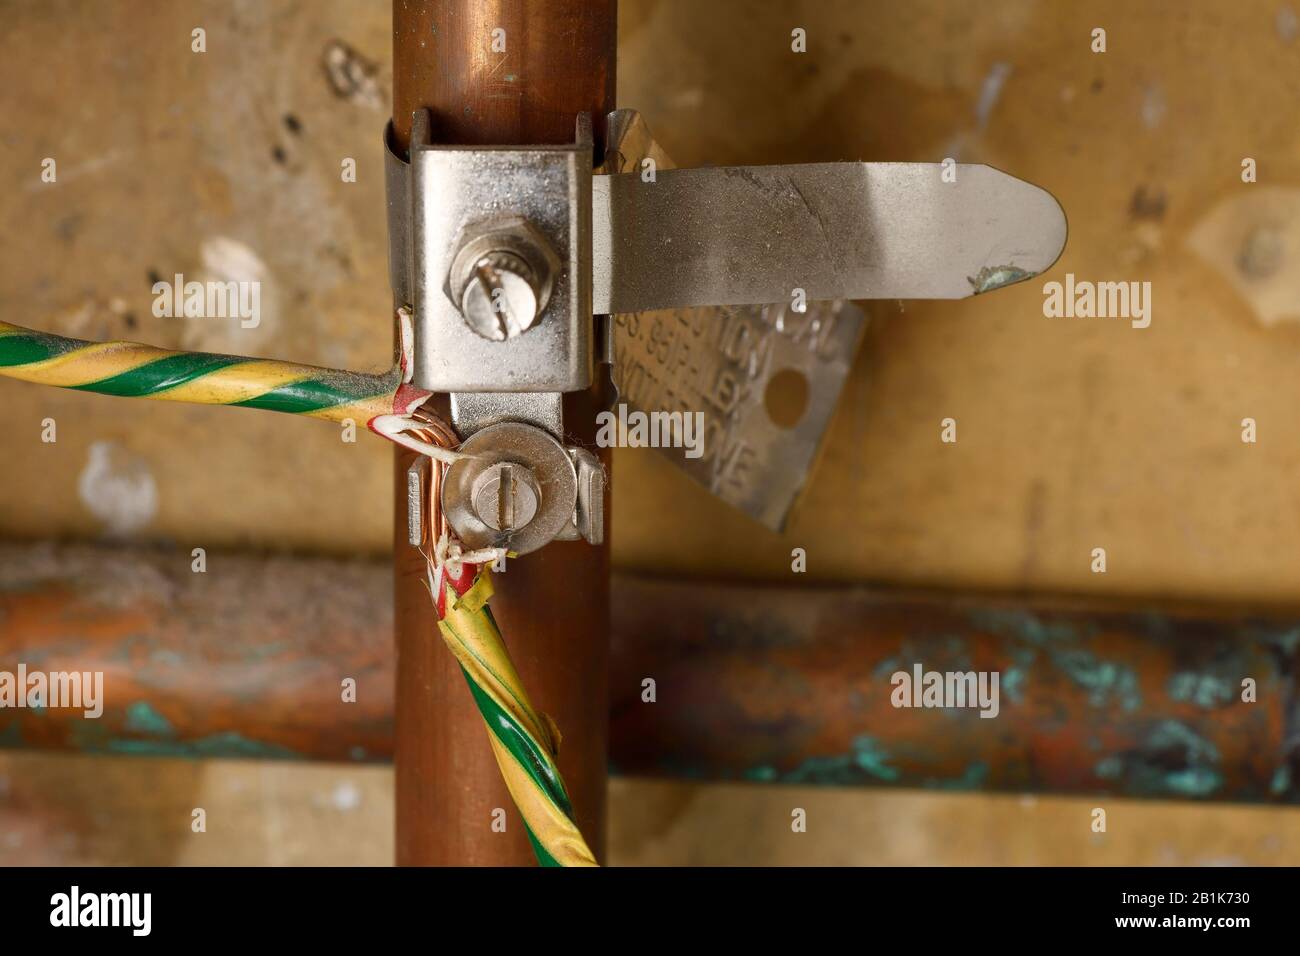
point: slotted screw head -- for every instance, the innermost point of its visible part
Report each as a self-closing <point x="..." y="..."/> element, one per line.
<point x="500" y="300"/>
<point x="506" y="496"/>
<point x="501" y="278"/>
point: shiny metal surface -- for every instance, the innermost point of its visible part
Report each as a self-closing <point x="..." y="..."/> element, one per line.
<point x="719" y="365"/>
<point x="719" y="362"/>
<point x="502" y="276"/>
<point x="555" y="481"/>
<point x="750" y="235"/>
<point x="397" y="195"/>
<point x="459" y="193"/>
<point x="471" y="411"/>
<point x="506" y="497"/>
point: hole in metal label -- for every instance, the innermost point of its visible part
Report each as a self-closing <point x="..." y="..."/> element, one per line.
<point x="786" y="397"/>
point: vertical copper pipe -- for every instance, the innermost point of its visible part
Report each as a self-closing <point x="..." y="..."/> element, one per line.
<point x="553" y="605"/>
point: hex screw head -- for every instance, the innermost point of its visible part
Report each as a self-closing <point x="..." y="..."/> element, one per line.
<point x="501" y="278"/>
<point x="506" y="496"/>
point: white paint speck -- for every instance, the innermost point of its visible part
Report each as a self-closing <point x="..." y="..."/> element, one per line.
<point x="346" y="796"/>
<point x="225" y="260"/>
<point x="990" y="92"/>
<point x="1286" y="23"/>
<point x="118" y="488"/>
<point x="1153" y="106"/>
<point x="229" y="260"/>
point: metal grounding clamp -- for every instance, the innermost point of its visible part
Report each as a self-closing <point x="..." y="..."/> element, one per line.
<point x="697" y="287"/>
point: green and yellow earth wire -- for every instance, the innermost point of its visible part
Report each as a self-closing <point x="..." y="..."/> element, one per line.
<point x="132" y="370"/>
<point x="524" y="740"/>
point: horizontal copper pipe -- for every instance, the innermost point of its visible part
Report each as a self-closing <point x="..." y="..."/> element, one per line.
<point x="750" y="683"/>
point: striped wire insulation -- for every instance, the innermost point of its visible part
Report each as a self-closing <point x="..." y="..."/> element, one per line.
<point x="524" y="740"/>
<point x="142" y="371"/>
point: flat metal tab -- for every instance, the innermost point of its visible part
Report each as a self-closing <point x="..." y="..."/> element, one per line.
<point x="749" y="235"/>
<point x="472" y="411"/>
<point x="719" y="362"/>
<point x="397" y="193"/>
<point x="417" y="476"/>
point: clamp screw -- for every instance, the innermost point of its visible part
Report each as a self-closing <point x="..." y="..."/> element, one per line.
<point x="500" y="300"/>
<point x="501" y="278"/>
<point x="505" y="496"/>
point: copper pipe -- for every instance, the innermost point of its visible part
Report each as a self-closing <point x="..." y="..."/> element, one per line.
<point x="756" y="682"/>
<point x="559" y="61"/>
<point x="553" y="605"/>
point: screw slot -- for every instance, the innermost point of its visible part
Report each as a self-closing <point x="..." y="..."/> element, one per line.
<point x="500" y="300"/>
<point x="505" y="497"/>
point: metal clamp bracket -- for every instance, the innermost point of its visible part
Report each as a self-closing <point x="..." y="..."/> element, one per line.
<point x="494" y="254"/>
<point x="491" y="246"/>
